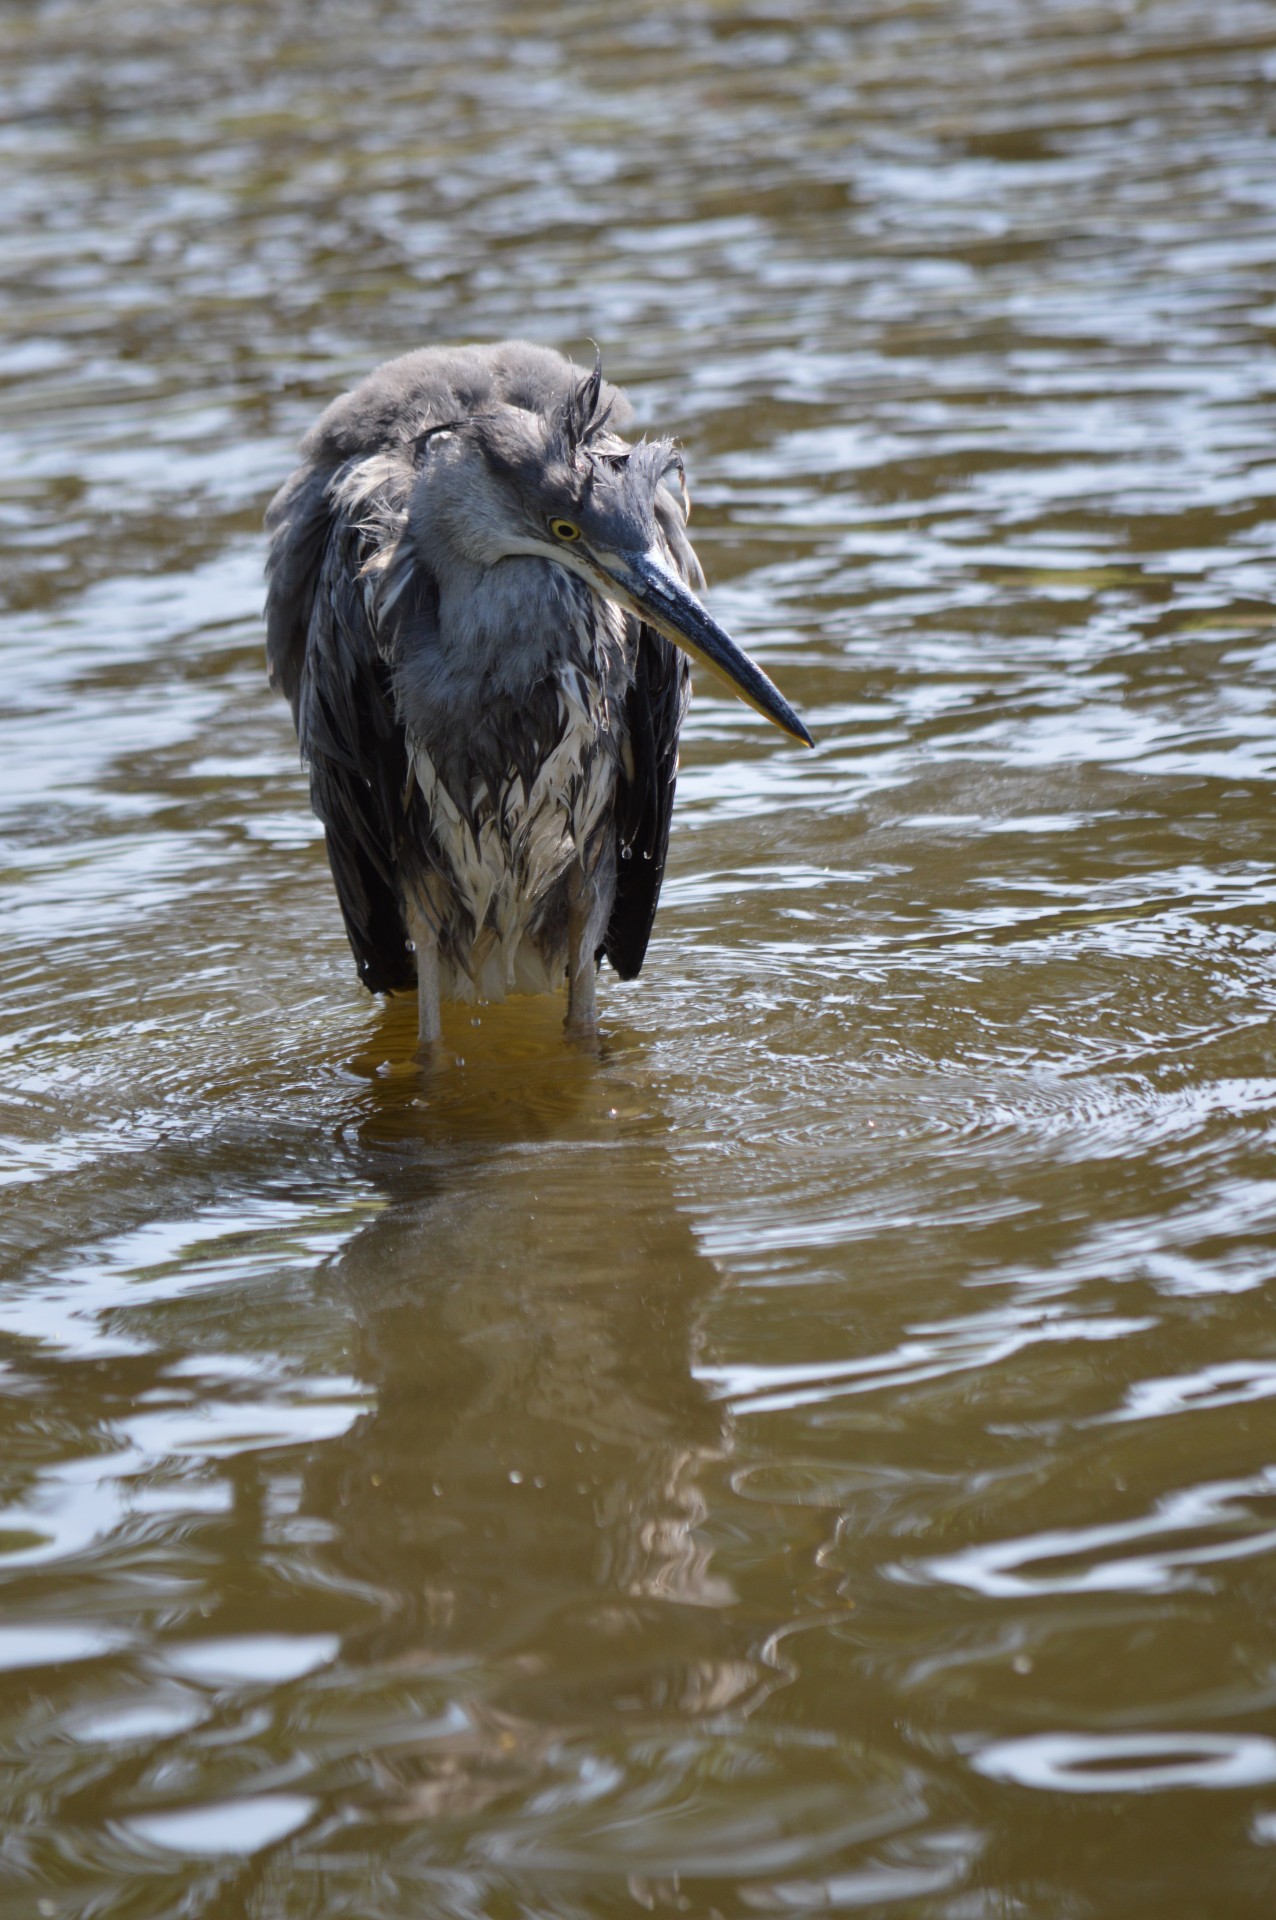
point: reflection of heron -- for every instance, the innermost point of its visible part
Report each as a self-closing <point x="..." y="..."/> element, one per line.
<point x="530" y="1494"/>
<point x="474" y="584"/>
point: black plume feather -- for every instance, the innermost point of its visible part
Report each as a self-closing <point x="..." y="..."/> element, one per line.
<point x="580" y="416"/>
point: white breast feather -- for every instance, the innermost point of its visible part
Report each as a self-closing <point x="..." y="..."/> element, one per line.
<point x="525" y="843"/>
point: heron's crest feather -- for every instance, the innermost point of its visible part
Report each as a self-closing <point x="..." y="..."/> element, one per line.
<point x="582" y="414"/>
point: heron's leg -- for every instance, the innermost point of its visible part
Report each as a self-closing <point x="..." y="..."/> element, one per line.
<point x="425" y="940"/>
<point x="582" y="968"/>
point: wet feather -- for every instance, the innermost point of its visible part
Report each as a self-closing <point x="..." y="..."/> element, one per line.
<point x="476" y="732"/>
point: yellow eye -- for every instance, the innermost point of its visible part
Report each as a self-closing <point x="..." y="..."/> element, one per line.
<point x="564" y="529"/>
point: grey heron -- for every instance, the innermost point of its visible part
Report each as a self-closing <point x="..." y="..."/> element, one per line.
<point x="481" y="601"/>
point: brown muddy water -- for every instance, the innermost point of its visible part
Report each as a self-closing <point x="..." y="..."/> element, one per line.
<point x="819" y="1456"/>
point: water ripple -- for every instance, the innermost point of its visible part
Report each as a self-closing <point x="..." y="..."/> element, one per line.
<point x="726" y="1472"/>
<point x="1130" y="1763"/>
<point x="1202" y="1527"/>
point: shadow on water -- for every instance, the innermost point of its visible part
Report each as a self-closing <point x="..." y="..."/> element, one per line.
<point x="526" y="1495"/>
<point x="527" y="1305"/>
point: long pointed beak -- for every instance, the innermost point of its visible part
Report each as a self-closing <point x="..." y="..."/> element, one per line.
<point x="646" y="587"/>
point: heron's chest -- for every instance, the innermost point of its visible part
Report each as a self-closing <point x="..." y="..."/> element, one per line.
<point x="524" y="785"/>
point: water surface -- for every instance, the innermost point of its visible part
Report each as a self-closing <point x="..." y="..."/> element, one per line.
<point x="819" y="1455"/>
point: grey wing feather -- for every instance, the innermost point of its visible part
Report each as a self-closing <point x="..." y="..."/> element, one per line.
<point x="655" y="706"/>
<point x="298" y="521"/>
<point x="323" y="653"/>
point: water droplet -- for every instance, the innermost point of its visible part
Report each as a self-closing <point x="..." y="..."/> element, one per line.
<point x="410" y="945"/>
<point x="516" y="1478"/>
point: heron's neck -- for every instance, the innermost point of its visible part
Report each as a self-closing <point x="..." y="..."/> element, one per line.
<point x="512" y="624"/>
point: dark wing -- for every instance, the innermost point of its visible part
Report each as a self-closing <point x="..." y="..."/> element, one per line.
<point x="654" y="708"/>
<point x="323" y="652"/>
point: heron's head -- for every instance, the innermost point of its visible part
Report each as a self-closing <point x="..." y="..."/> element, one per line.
<point x="559" y="484"/>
